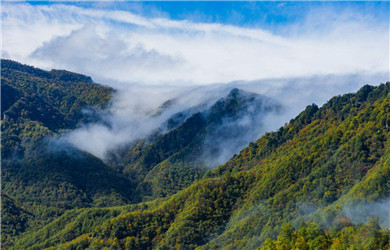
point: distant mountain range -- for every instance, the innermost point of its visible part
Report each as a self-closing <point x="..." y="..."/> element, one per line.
<point x="198" y="181"/>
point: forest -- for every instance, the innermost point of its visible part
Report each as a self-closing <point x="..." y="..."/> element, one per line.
<point x="319" y="182"/>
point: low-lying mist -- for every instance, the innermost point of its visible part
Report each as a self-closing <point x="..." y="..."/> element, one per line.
<point x="361" y="213"/>
<point x="236" y="120"/>
<point x="137" y="111"/>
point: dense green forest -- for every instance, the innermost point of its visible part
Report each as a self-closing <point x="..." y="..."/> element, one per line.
<point x="40" y="180"/>
<point x="316" y="183"/>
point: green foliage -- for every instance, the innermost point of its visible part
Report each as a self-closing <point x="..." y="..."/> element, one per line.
<point x="310" y="236"/>
<point x="14" y="219"/>
<point x="337" y="155"/>
<point x="287" y="190"/>
<point x="44" y="183"/>
<point x="324" y="159"/>
<point x="174" y="160"/>
<point x="51" y="100"/>
<point x="186" y="220"/>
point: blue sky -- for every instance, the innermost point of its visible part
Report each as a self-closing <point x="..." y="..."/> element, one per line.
<point x="271" y="15"/>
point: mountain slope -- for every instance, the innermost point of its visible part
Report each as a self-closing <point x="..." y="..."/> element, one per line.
<point x="177" y="158"/>
<point x="45" y="176"/>
<point x="49" y="100"/>
<point x="14" y="219"/>
<point x="311" y="170"/>
<point x="48" y="176"/>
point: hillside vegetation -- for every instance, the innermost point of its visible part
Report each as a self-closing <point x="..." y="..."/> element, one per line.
<point x="173" y="160"/>
<point x="292" y="188"/>
<point x="42" y="178"/>
<point x="47" y="177"/>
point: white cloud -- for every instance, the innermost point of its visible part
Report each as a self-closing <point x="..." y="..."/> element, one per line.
<point x="149" y="58"/>
<point x="122" y="46"/>
<point x="91" y="49"/>
<point x="130" y="117"/>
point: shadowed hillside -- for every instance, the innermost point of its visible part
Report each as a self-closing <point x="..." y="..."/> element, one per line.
<point x="39" y="174"/>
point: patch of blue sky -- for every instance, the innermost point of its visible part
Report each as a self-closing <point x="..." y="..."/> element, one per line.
<point x="270" y="15"/>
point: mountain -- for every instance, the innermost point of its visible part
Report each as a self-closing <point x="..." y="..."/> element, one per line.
<point x="45" y="176"/>
<point x="41" y="177"/>
<point x="47" y="101"/>
<point x="173" y="160"/>
<point x="308" y="185"/>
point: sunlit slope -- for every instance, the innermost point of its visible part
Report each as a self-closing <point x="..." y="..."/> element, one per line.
<point x="311" y="169"/>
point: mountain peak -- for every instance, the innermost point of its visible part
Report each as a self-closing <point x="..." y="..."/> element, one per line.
<point x="237" y="93"/>
<point x="238" y="103"/>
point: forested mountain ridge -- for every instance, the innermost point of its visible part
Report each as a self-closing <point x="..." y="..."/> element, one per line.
<point x="175" y="159"/>
<point x="47" y="101"/>
<point x="297" y="185"/>
<point x="47" y="177"/>
<point x="40" y="175"/>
